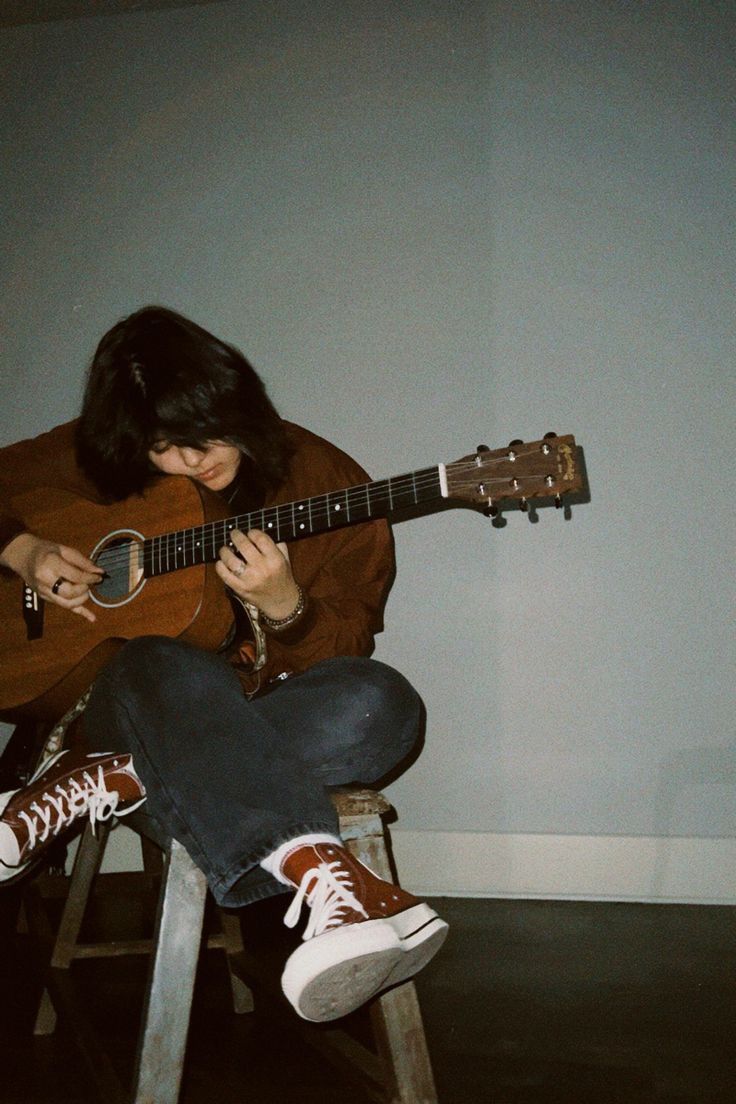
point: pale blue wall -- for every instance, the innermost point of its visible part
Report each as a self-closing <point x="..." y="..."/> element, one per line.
<point x="432" y="224"/>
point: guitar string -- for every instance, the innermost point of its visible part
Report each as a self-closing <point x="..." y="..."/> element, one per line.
<point x="283" y="516"/>
<point x="319" y="511"/>
<point x="201" y="544"/>
<point x="185" y="541"/>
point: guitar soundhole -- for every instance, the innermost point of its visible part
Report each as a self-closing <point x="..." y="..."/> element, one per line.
<point x="119" y="555"/>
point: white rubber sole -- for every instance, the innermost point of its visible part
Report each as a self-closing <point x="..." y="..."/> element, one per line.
<point x="332" y="974"/>
<point x="9" y="852"/>
<point x="421" y="933"/>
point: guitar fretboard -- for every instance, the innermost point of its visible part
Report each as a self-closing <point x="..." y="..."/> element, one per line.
<point x="293" y="520"/>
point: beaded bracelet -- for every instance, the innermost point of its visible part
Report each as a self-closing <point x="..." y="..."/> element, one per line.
<point x="283" y="622"/>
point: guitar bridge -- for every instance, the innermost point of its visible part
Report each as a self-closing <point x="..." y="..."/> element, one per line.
<point x="32" y="613"/>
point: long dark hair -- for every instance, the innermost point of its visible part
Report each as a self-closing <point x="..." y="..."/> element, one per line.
<point x="158" y="376"/>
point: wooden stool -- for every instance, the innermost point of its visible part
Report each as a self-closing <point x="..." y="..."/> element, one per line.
<point x="398" y="1071"/>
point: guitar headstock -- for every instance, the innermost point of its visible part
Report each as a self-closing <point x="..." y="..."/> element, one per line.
<point x="520" y="472"/>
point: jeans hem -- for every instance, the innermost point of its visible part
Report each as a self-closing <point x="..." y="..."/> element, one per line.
<point x="222" y="886"/>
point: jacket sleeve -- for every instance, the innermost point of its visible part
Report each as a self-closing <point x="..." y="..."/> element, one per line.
<point x="30" y="466"/>
<point x="346" y="594"/>
<point x="345" y="573"/>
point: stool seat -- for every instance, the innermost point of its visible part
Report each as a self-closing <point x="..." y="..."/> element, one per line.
<point x="396" y="1069"/>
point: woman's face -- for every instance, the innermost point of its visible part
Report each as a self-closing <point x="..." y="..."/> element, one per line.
<point x="215" y="465"/>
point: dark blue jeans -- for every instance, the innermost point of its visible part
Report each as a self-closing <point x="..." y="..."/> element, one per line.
<point x="230" y="778"/>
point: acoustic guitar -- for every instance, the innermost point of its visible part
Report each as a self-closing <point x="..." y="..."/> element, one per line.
<point x="166" y="583"/>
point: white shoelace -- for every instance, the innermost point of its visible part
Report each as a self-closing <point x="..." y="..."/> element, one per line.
<point x="329" y="898"/>
<point x="93" y="798"/>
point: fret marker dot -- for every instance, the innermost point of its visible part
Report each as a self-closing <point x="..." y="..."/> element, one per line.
<point x="301" y="525"/>
<point x="337" y="506"/>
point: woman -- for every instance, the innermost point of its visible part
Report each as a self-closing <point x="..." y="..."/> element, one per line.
<point x="234" y="752"/>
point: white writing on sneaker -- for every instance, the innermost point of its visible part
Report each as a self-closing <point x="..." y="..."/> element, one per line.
<point x="56" y="809"/>
<point x="93" y="798"/>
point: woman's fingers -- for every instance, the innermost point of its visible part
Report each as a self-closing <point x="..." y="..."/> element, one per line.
<point x="257" y="571"/>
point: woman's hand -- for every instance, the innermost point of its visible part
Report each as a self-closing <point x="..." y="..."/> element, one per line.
<point x="260" y="574"/>
<point x="57" y="573"/>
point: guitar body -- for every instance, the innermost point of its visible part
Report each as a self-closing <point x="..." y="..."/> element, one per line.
<point x="159" y="550"/>
<point x="41" y="678"/>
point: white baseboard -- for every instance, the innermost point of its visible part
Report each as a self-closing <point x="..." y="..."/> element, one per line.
<point x="596" y="868"/>
<point x="619" y="868"/>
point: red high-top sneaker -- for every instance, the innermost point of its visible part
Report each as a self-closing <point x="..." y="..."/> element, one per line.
<point x="67" y="786"/>
<point x="363" y="934"/>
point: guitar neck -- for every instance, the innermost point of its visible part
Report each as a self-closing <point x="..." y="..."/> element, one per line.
<point x="486" y="478"/>
<point x="295" y="520"/>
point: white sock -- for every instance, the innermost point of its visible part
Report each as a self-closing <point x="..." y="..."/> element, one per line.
<point x="273" y="862"/>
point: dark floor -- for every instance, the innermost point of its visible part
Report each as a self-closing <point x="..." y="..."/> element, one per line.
<point x="529" y="1002"/>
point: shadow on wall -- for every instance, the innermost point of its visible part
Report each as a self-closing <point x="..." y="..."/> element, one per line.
<point x="698" y="766"/>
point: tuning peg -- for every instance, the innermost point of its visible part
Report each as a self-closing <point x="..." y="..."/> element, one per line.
<point x="491" y="511"/>
<point x="549" y="436"/>
<point x="516" y="442"/>
<point x="523" y="505"/>
<point x="482" y="448"/>
<point x="558" y="501"/>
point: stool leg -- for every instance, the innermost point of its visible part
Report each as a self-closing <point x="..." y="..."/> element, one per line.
<point x="399" y="1033"/>
<point x="395" y="1016"/>
<point x="168" y="1004"/>
<point x="232" y="943"/>
<point x="86" y="865"/>
<point x="151" y="855"/>
<point x="21" y="926"/>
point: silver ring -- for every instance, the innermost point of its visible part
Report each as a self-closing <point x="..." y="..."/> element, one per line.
<point x="55" y="588"/>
